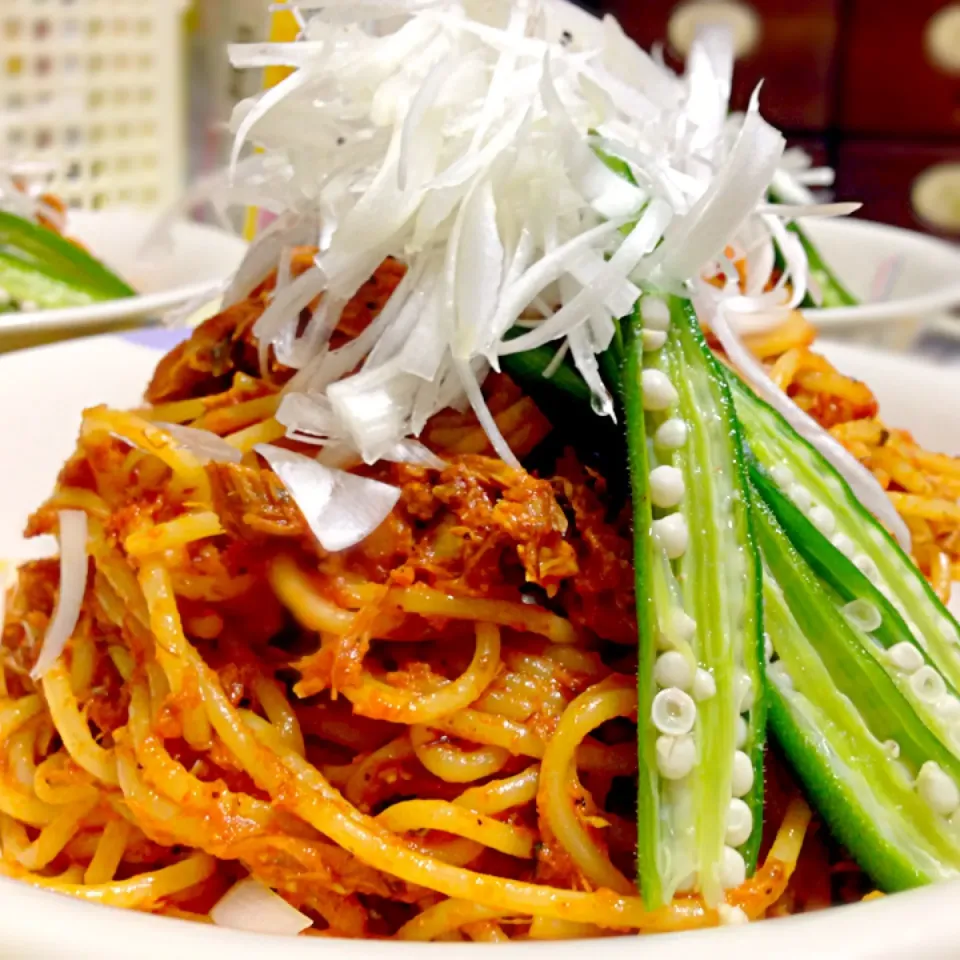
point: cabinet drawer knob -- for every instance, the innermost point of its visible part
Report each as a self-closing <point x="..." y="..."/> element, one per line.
<point x="741" y="18"/>
<point x="941" y="38"/>
<point x="935" y="196"/>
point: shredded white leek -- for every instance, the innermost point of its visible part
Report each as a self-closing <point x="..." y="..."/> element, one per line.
<point x="457" y="137"/>
<point x="73" y="584"/>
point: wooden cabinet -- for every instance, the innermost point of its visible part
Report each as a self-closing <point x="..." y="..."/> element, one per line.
<point x="794" y="53"/>
<point x="915" y="185"/>
<point x="901" y="68"/>
<point x="874" y="84"/>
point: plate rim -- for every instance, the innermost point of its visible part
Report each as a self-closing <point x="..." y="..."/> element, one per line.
<point x="126" y="308"/>
<point x="923" y="306"/>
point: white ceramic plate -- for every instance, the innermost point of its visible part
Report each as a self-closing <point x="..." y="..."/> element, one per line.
<point x="42" y="395"/>
<point x="925" y="275"/>
<point x="199" y="260"/>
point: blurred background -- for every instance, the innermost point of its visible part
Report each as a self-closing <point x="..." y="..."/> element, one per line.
<point x="113" y="91"/>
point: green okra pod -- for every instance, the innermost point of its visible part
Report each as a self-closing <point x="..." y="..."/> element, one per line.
<point x="698" y="609"/>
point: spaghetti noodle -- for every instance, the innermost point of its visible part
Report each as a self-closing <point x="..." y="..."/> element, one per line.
<point x="431" y="735"/>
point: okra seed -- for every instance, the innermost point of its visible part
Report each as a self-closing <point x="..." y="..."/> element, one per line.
<point x="673" y="535"/>
<point x="778" y="675"/>
<point x="948" y="630"/>
<point x="948" y="708"/>
<point x="5" y="297"/>
<point x="683" y="625"/>
<point x="863" y="614"/>
<point x="867" y="567"/>
<point x="655" y="313"/>
<point x="672" y="434"/>
<point x="928" y="685"/>
<point x="731" y="916"/>
<point x="28" y="306"/>
<point x="676" y="756"/>
<point x="892" y="749"/>
<point x="666" y="487"/>
<point x="844" y="544"/>
<point x="782" y="476"/>
<point x="768" y="650"/>
<point x="658" y="392"/>
<point x="742" y="733"/>
<point x="704" y="686"/>
<point x="733" y="869"/>
<point x="801" y="497"/>
<point x="739" y="823"/>
<point x="824" y="520"/>
<point x="745" y="694"/>
<point x="673" y="712"/>
<point x="938" y="789"/>
<point x="742" y="774"/>
<point x="905" y="656"/>
<point x="688" y="884"/>
<point x="673" y="669"/>
<point x="653" y="340"/>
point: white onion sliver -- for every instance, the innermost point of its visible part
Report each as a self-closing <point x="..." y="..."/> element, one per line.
<point x="205" y="445"/>
<point x="414" y="452"/>
<point x="460" y="139"/>
<point x="250" y="905"/>
<point x="73" y="585"/>
<point x="340" y="508"/>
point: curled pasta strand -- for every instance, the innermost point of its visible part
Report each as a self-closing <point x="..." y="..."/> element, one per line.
<point x="174" y="534"/>
<point x="549" y="928"/>
<point x="454" y="764"/>
<point x="413" y="815"/>
<point x="139" y="892"/>
<point x="58" y="782"/>
<point x="241" y="815"/>
<point x="26" y="808"/>
<point x="370" y="768"/>
<point x="501" y="795"/>
<point x="15" y="713"/>
<point x="279" y="712"/>
<point x="373" y="698"/>
<point x="55" y="836"/>
<point x="446" y="917"/>
<point x="21" y="752"/>
<point x="188" y="471"/>
<point x="108" y="856"/>
<point x="83" y="661"/>
<point x="485" y="931"/>
<point x="299" y="593"/>
<point x="559" y="784"/>
<point x="73" y="729"/>
<point x="521" y="740"/>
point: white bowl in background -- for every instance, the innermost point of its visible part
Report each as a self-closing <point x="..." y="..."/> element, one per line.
<point x="199" y="259"/>
<point x="925" y="281"/>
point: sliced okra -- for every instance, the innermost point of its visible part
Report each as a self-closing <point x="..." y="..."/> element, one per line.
<point x="821" y="494"/>
<point x="701" y="714"/>
<point x="882" y="779"/>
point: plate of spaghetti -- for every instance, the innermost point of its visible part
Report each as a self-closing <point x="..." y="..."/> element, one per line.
<point x="504" y="562"/>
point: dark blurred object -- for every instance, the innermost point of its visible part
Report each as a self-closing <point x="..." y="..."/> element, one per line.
<point x="901" y="62"/>
<point x="873" y="85"/>
<point x="793" y="51"/>
<point x="915" y="185"/>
